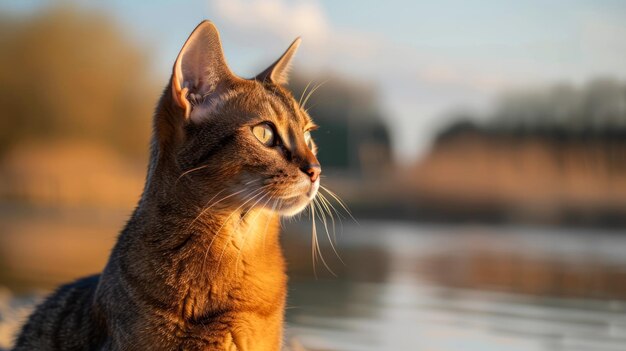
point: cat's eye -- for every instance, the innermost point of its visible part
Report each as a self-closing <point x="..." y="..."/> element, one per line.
<point x="264" y="133"/>
<point x="307" y="139"/>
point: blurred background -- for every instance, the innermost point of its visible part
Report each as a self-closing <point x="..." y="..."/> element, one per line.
<point x="481" y="147"/>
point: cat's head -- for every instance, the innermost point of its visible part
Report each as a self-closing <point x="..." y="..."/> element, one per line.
<point x="241" y="142"/>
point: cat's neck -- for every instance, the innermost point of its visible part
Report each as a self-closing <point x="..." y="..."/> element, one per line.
<point x="170" y="224"/>
<point x="196" y="260"/>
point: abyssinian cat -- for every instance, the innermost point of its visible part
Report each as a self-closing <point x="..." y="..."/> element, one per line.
<point x="199" y="266"/>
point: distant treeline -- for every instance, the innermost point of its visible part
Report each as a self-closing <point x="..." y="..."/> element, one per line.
<point x="596" y="110"/>
<point x="551" y="156"/>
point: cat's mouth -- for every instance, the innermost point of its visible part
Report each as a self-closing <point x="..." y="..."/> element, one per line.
<point x="315" y="186"/>
<point x="286" y="199"/>
<point x="292" y="205"/>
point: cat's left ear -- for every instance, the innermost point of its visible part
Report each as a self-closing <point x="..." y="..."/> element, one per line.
<point x="278" y="72"/>
<point x="200" y="70"/>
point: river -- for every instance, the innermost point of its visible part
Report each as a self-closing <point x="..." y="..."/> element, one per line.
<point x="401" y="286"/>
<point x="465" y="288"/>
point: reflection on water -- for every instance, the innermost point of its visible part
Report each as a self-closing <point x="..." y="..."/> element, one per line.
<point x="465" y="289"/>
<point x="401" y="316"/>
<point x="403" y="286"/>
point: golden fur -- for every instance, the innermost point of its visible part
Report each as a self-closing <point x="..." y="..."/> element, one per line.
<point x="198" y="265"/>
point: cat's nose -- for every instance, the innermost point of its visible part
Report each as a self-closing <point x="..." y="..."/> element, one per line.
<point x="313" y="171"/>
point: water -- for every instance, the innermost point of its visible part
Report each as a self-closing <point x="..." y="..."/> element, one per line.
<point x="404" y="286"/>
<point x="407" y="309"/>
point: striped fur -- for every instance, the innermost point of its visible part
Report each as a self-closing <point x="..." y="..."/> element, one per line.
<point x="198" y="266"/>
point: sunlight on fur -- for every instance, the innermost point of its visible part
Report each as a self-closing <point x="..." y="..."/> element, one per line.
<point x="199" y="263"/>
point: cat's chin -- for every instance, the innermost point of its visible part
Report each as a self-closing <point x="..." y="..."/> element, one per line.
<point x="292" y="206"/>
<point x="294" y="209"/>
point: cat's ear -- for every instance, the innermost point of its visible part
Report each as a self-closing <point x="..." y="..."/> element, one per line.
<point x="200" y="67"/>
<point x="278" y="72"/>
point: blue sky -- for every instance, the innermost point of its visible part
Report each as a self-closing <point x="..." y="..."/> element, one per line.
<point x="426" y="58"/>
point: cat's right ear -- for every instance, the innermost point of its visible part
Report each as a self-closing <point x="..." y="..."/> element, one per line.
<point x="200" y="68"/>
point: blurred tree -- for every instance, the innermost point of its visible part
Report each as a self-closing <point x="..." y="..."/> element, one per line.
<point x="597" y="109"/>
<point x="554" y="155"/>
<point x="70" y="74"/>
<point x="598" y="106"/>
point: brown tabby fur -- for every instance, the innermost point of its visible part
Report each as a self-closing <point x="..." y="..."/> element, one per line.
<point x="190" y="271"/>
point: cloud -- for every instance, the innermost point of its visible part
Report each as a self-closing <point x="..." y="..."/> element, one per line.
<point x="267" y="23"/>
<point x="274" y="18"/>
<point x="369" y="55"/>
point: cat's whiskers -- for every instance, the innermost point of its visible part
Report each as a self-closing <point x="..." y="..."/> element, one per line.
<point x="304" y="92"/>
<point x="313" y="237"/>
<point x="311" y="93"/>
<point x="254" y="205"/>
<point x="322" y="215"/>
<point x="199" y="168"/>
<point x="247" y="198"/>
<point x="187" y="172"/>
<point x="330" y="206"/>
<point x="341" y="203"/>
<point x="208" y="207"/>
<point x="324" y="203"/>
<point x="316" y="245"/>
<point x="324" y="206"/>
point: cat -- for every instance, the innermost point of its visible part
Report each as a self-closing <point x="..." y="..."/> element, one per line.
<point x="198" y="265"/>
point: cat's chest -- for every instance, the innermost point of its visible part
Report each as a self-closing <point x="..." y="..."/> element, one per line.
<point x="232" y="282"/>
<point x="228" y="331"/>
<point x="203" y="300"/>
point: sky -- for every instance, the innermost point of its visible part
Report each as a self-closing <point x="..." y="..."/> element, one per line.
<point x="426" y="58"/>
